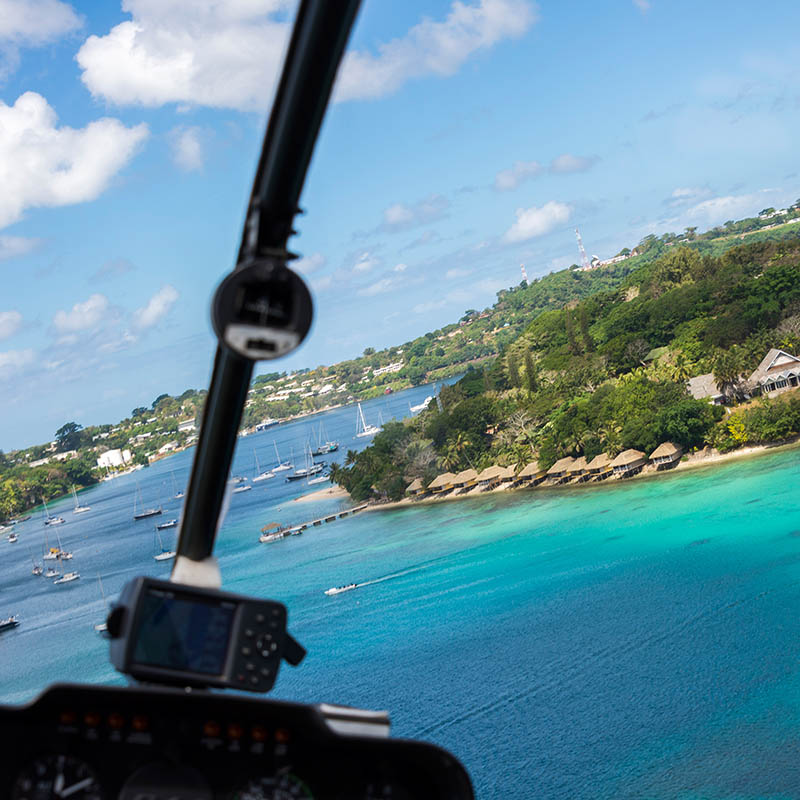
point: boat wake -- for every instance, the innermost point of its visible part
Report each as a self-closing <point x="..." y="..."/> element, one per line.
<point x="350" y="586"/>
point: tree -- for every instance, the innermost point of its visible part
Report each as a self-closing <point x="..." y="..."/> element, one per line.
<point x="138" y="412"/>
<point x="583" y="323"/>
<point x="570" y="329"/>
<point x="158" y="400"/>
<point x="727" y="375"/>
<point x="369" y="351"/>
<point x="68" y="436"/>
<point x="530" y="374"/>
<point x="513" y="370"/>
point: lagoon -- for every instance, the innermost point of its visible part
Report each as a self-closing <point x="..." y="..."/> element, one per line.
<point x="630" y="640"/>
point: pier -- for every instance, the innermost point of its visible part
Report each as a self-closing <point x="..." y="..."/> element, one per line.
<point x="294" y="530"/>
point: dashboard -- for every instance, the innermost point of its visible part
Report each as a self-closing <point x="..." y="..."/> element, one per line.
<point x="137" y="743"/>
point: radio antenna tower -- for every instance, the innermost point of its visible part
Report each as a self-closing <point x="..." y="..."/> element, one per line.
<point x="524" y="274"/>
<point x="584" y="260"/>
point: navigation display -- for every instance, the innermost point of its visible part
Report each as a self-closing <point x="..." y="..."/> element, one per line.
<point x="182" y="634"/>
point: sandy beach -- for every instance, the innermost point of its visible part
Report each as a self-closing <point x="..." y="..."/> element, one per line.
<point x="692" y="461"/>
<point x="329" y="493"/>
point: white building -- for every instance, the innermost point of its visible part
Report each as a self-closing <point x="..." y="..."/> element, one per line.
<point x="186" y="426"/>
<point x="114" y="458"/>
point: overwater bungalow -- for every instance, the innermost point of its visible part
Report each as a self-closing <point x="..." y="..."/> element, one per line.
<point x="628" y="463"/>
<point x="599" y="468"/>
<point x="415" y="488"/>
<point x="490" y="477"/>
<point x="576" y="471"/>
<point x="465" y="480"/>
<point x="666" y="455"/>
<point x="441" y="483"/>
<point x="558" y="472"/>
<point x="531" y="474"/>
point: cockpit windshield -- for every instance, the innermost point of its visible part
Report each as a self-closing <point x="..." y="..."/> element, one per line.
<point x="517" y="361"/>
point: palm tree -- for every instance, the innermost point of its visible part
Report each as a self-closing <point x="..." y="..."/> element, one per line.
<point x="727" y="375"/>
<point x="350" y="458"/>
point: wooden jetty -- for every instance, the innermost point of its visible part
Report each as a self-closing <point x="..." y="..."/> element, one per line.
<point x="294" y="530"/>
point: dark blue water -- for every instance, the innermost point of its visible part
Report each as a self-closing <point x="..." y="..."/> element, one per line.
<point x="638" y="640"/>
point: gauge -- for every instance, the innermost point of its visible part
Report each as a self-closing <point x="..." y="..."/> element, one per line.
<point x="277" y="787"/>
<point x="57" y="777"/>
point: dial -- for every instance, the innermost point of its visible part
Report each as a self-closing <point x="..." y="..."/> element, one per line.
<point x="57" y="777"/>
<point x="284" y="786"/>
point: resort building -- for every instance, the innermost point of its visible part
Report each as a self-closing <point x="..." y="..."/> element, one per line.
<point x="415" y="488"/>
<point x="599" y="468"/>
<point x="705" y="386"/>
<point x="441" y="483"/>
<point x="627" y="463"/>
<point x="465" y="480"/>
<point x="490" y="477"/>
<point x="531" y="474"/>
<point x="558" y="472"/>
<point x="508" y="474"/>
<point x="777" y="372"/>
<point x="666" y="455"/>
<point x="577" y="470"/>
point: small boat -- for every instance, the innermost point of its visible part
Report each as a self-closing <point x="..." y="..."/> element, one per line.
<point x="260" y="475"/>
<point x="12" y="537"/>
<point x="238" y="479"/>
<point x="67" y="577"/>
<point x="324" y="445"/>
<point x="51" y="573"/>
<point x="267" y="423"/>
<point x="50" y="520"/>
<point x="163" y="554"/>
<point x="79" y="509"/>
<point x="272" y="533"/>
<point x="171" y="523"/>
<point x="305" y="472"/>
<point x="340" y="589"/>
<point x="420" y="406"/>
<point x="362" y="429"/>
<point x="280" y="466"/>
<point x="38" y="569"/>
<point x="102" y="627"/>
<point x="8" y="623"/>
<point x="244" y="488"/>
<point x="321" y="479"/>
<point x="178" y="493"/>
<point x="145" y="512"/>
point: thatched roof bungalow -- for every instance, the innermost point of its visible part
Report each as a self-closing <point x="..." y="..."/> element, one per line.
<point x="531" y="473"/>
<point x="490" y="476"/>
<point x="441" y="483"/>
<point x="509" y="473"/>
<point x="577" y="469"/>
<point x="558" y="472"/>
<point x="599" y="468"/>
<point x="628" y="462"/>
<point x="415" y="487"/>
<point x="666" y="454"/>
<point x="465" y="479"/>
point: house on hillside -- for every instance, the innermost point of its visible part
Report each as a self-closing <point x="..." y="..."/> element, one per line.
<point x="705" y="386"/>
<point x="777" y="372"/>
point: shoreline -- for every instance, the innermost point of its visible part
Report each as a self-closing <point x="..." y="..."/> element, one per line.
<point x="332" y="492"/>
<point x="693" y="461"/>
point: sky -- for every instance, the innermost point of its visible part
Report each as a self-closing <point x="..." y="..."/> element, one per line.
<point x="464" y="139"/>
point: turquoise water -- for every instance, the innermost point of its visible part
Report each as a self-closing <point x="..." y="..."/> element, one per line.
<point x="634" y="640"/>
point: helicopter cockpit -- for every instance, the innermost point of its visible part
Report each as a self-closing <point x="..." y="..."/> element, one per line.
<point x="171" y="733"/>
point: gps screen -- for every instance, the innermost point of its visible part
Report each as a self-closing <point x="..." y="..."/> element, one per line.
<point x="183" y="634"/>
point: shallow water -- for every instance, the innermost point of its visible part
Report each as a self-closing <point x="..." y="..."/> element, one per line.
<point x="633" y="640"/>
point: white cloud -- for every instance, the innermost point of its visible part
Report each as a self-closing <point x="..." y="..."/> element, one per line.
<point x="187" y="148"/>
<point x="365" y="262"/>
<point x="158" y="306"/>
<point x="44" y="165"/>
<point x="227" y="55"/>
<point x="308" y="265"/>
<point x="323" y="283"/>
<point x="400" y="268"/>
<point x="687" y="194"/>
<point x="509" y="179"/>
<point x="642" y="5"/>
<point x="35" y="22"/>
<point x="10" y="323"/>
<point x="433" y="48"/>
<point x="454" y="273"/>
<point x="567" y="162"/>
<point x="31" y="23"/>
<point x="12" y="246"/>
<point x="533" y="221"/>
<point x="433" y="305"/>
<point x="379" y="287"/>
<point x="402" y="217"/>
<point x="13" y="361"/>
<point x="83" y="316"/>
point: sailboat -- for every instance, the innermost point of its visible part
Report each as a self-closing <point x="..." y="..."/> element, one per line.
<point x="163" y="554"/>
<point x="145" y="512"/>
<point x="38" y="569"/>
<point x="308" y="470"/>
<point x="67" y="577"/>
<point x="261" y="476"/>
<point x="178" y="493"/>
<point x="79" y="509"/>
<point x="324" y="445"/>
<point x="362" y="429"/>
<point x="280" y="466"/>
<point x="48" y="520"/>
<point x="102" y="627"/>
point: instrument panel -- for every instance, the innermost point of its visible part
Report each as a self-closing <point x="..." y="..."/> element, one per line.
<point x="104" y="743"/>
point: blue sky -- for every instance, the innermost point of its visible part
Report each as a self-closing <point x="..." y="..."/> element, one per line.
<point x="465" y="138"/>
